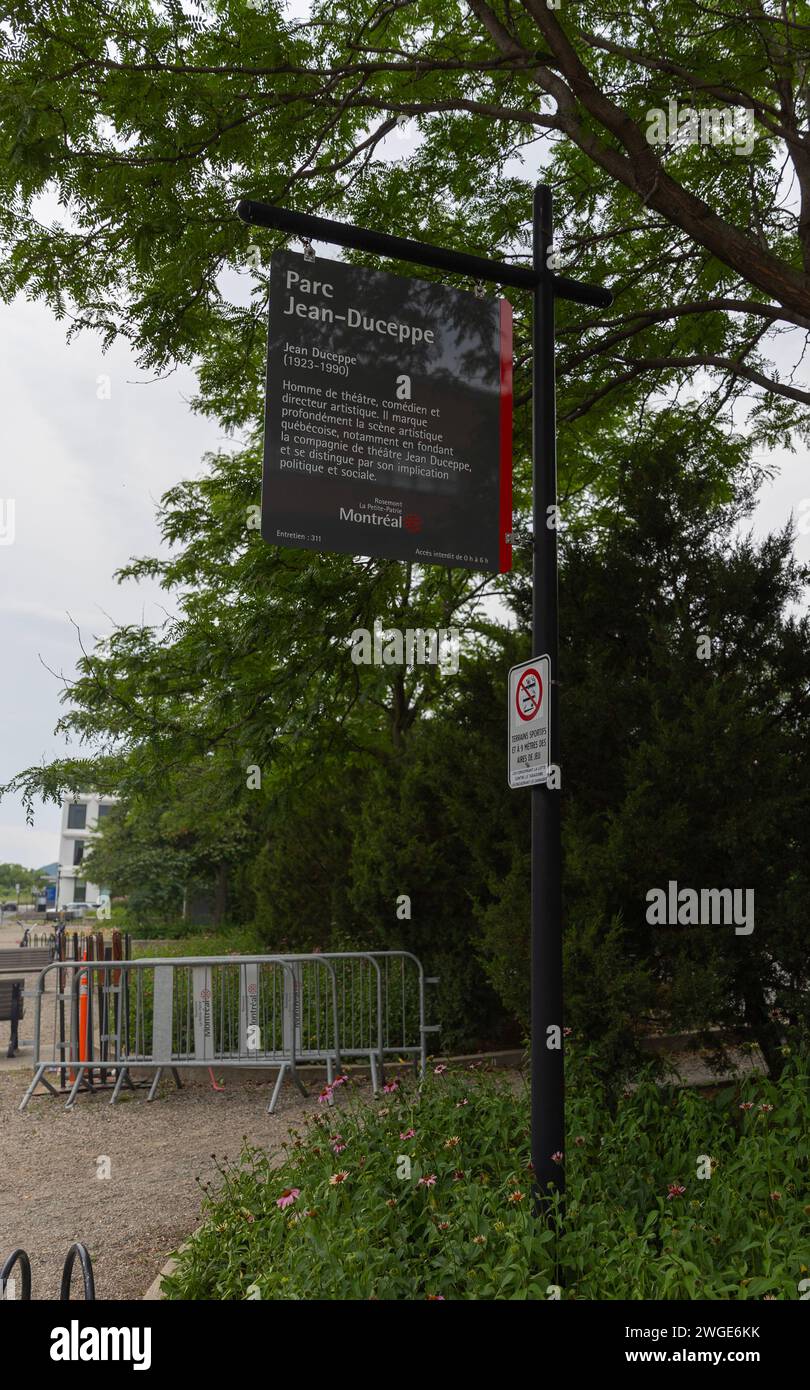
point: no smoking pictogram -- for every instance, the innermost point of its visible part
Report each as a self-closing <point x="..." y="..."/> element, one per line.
<point x="529" y="694"/>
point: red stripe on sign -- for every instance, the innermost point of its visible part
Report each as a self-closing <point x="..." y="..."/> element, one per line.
<point x="505" y="510"/>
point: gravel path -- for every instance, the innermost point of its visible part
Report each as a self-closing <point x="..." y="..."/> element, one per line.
<point x="51" y="1194"/>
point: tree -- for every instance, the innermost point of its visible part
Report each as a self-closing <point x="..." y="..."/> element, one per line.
<point x="685" y="675"/>
<point x="191" y="831"/>
<point x="13" y="874"/>
<point x="151" y="121"/>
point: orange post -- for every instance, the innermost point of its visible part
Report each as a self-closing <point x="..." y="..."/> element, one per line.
<point x="83" y="1002"/>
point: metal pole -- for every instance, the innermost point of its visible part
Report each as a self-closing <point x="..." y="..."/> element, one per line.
<point x="547" y="1081"/>
<point x="304" y="224"/>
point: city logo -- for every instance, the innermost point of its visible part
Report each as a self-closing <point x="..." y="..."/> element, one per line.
<point x="370" y="518"/>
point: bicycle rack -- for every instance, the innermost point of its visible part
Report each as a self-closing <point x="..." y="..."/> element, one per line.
<point x="20" y="1257"/>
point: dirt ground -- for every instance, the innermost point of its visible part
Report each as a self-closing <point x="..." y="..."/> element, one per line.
<point x="51" y="1194"/>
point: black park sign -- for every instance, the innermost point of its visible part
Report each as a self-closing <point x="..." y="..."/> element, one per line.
<point x="388" y="428"/>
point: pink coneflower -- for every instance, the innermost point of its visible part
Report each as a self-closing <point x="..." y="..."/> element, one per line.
<point x="390" y="1087"/>
<point x="516" y="1196"/>
<point x="429" y="1181"/>
<point x="338" y="1178"/>
<point x="408" y="1134"/>
<point x="453" y="1142"/>
<point x="287" y="1197"/>
<point x="458" y="1175"/>
<point x="341" y="1080"/>
<point x="766" y="1107"/>
<point x="335" y="1138"/>
<point x="444" y="1225"/>
<point x="436" y="1298"/>
<point x="775" y="1196"/>
<point x="675" y="1189"/>
<point x="580" y="1140"/>
<point x="459" y="1103"/>
<point x="557" y="1157"/>
<point x="338" y="1148"/>
<point x="325" y="1098"/>
<point x="746" y="1105"/>
<point x="437" y="1071"/>
<point x="567" y="1032"/>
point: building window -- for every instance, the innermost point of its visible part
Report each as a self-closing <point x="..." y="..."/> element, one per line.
<point x="104" y="809"/>
<point x="80" y="892"/>
<point x="78" y="851"/>
<point x="77" y="816"/>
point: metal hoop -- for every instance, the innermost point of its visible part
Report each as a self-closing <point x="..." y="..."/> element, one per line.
<point x="17" y="1257"/>
<point x="87" y="1273"/>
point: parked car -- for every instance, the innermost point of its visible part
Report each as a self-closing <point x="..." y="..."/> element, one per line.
<point x="8" y="907"/>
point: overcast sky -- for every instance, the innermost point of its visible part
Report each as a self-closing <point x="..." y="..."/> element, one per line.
<point x="85" y="474"/>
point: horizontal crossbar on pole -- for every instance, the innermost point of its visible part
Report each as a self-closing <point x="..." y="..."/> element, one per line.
<point x="304" y="224"/>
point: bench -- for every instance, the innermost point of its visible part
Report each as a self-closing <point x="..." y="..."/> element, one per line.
<point x="12" y="1009"/>
<point x="13" y="960"/>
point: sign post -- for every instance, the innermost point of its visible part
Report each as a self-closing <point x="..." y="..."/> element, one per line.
<point x="539" y="706"/>
<point x="547" y="1059"/>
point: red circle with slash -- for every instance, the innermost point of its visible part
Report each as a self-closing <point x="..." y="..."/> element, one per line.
<point x="529" y="694"/>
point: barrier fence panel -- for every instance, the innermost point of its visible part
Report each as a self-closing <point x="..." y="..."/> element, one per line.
<point x="94" y="1018"/>
<point x="358" y="981"/>
<point x="98" y="1019"/>
<point x="405" y="1029"/>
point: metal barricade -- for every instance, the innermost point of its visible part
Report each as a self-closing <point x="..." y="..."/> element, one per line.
<point x="404" y="1026"/>
<point x="381" y="998"/>
<point x="358" y="982"/>
<point x="97" y="1020"/>
<point x="169" y="1014"/>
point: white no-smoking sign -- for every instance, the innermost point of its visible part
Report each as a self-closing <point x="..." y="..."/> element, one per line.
<point x="529" y="724"/>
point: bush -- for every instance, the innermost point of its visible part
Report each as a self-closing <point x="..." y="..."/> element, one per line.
<point x="336" y="1221"/>
<point x="203" y="941"/>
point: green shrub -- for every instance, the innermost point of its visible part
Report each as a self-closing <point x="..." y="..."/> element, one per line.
<point x="640" y="1223"/>
<point x="205" y="942"/>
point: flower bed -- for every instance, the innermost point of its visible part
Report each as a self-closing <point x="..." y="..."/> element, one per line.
<point x="427" y="1195"/>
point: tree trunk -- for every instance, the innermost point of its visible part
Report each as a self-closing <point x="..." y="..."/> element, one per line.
<point x="767" y="1033"/>
<point x="220" y="895"/>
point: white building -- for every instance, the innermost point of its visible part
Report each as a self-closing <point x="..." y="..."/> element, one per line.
<point x="80" y="817"/>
